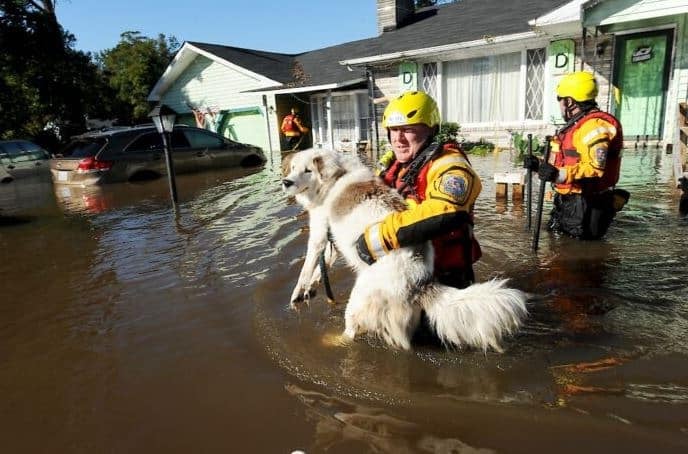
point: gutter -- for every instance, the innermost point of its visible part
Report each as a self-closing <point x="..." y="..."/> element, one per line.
<point x="331" y="86"/>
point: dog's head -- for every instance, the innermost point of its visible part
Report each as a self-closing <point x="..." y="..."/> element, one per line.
<point x="309" y="171"/>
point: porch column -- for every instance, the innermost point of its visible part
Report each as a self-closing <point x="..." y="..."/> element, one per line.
<point x="330" y="126"/>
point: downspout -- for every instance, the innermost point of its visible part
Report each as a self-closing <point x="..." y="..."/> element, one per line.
<point x="267" y="123"/>
<point x="373" y="129"/>
<point x="582" y="19"/>
<point x="583" y="60"/>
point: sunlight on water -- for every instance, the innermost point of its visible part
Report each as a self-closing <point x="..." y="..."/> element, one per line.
<point x="111" y="290"/>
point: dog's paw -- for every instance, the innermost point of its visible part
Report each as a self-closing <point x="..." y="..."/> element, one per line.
<point x="301" y="296"/>
<point x="300" y="299"/>
<point x="336" y="340"/>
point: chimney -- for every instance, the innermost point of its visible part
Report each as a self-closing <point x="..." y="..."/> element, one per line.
<point x="392" y="13"/>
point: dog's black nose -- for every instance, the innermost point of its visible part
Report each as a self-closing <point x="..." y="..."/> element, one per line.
<point x="287" y="183"/>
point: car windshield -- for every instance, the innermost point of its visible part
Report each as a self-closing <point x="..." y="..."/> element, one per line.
<point x="82" y="148"/>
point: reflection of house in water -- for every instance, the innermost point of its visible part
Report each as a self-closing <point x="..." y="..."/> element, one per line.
<point x="492" y="69"/>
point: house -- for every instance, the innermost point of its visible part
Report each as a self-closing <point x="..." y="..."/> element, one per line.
<point x="244" y="93"/>
<point x="492" y="66"/>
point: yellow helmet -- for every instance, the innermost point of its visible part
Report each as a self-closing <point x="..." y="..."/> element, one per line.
<point x="579" y="85"/>
<point x="411" y="108"/>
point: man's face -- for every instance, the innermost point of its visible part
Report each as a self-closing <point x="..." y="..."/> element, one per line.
<point x="408" y="140"/>
<point x="567" y="107"/>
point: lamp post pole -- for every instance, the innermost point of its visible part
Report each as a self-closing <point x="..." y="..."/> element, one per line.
<point x="163" y="117"/>
<point x="170" y="167"/>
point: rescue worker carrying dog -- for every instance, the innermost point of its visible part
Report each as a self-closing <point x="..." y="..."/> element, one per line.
<point x="585" y="162"/>
<point x="440" y="188"/>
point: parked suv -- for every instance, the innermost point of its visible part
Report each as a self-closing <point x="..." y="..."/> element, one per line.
<point x="21" y="158"/>
<point x="135" y="153"/>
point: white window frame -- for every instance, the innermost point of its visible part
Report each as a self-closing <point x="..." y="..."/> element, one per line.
<point x="521" y="121"/>
<point x="325" y="99"/>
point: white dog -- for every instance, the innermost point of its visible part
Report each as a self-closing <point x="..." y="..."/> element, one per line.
<point x="343" y="195"/>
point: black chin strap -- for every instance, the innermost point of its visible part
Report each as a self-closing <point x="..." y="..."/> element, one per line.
<point x="574" y="119"/>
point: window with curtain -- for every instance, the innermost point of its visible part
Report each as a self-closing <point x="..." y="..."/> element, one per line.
<point x="350" y="117"/>
<point x="343" y="118"/>
<point x="482" y="90"/>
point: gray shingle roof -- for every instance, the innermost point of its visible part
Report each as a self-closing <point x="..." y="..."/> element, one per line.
<point x="465" y="20"/>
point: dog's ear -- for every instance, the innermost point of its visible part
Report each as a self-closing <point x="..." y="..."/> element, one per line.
<point x="286" y="163"/>
<point x="319" y="166"/>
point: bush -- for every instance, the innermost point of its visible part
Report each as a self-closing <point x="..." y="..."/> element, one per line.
<point x="449" y="132"/>
<point x="480" y="148"/>
<point x="520" y="142"/>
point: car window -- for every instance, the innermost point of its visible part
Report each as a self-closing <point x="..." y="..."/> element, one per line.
<point x="234" y="145"/>
<point x="147" y="142"/>
<point x="21" y="151"/>
<point x="11" y="148"/>
<point x="179" y="140"/>
<point x="83" y="148"/>
<point x="202" y="139"/>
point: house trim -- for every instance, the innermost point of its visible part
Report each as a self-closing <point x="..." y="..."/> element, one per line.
<point x="333" y="86"/>
<point x="184" y="57"/>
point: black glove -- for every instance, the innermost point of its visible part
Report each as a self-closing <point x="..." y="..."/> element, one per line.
<point x="362" y="249"/>
<point x="548" y="172"/>
<point x="531" y="163"/>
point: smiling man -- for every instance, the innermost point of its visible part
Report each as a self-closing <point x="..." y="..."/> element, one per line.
<point x="440" y="188"/>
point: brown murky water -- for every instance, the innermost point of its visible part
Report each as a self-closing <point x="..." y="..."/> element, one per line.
<point x="127" y="328"/>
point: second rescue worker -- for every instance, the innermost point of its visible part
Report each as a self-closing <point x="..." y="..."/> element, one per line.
<point x="585" y="163"/>
<point x="440" y="188"/>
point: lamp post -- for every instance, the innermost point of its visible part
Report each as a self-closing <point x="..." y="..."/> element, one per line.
<point x="163" y="117"/>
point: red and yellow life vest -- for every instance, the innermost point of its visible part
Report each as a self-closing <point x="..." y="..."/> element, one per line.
<point x="290" y="126"/>
<point x="568" y="155"/>
<point x="450" y="252"/>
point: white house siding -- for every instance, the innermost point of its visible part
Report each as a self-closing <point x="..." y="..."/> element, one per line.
<point x="209" y="84"/>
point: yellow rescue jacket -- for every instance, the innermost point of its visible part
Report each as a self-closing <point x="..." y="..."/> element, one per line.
<point x="589" y="150"/>
<point x="440" y="208"/>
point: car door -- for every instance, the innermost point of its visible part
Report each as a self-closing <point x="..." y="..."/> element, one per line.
<point x="201" y="146"/>
<point x="144" y="155"/>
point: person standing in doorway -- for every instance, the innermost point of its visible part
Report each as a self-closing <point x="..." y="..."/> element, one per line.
<point x="585" y="162"/>
<point x="293" y="129"/>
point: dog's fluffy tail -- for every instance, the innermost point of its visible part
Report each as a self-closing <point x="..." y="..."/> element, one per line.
<point x="477" y="316"/>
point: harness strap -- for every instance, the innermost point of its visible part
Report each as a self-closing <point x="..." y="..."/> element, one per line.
<point x="323" y="267"/>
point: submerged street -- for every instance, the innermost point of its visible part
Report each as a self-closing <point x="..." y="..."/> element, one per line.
<point x="125" y="327"/>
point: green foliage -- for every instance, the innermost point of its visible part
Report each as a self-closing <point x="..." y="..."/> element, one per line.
<point x="42" y="79"/>
<point x="131" y="69"/>
<point x="520" y="143"/>
<point x="449" y="132"/>
<point x="480" y="148"/>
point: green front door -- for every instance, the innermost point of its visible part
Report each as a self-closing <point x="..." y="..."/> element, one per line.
<point x="642" y="70"/>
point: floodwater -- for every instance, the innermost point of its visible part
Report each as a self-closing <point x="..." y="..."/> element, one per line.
<point x="125" y="327"/>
